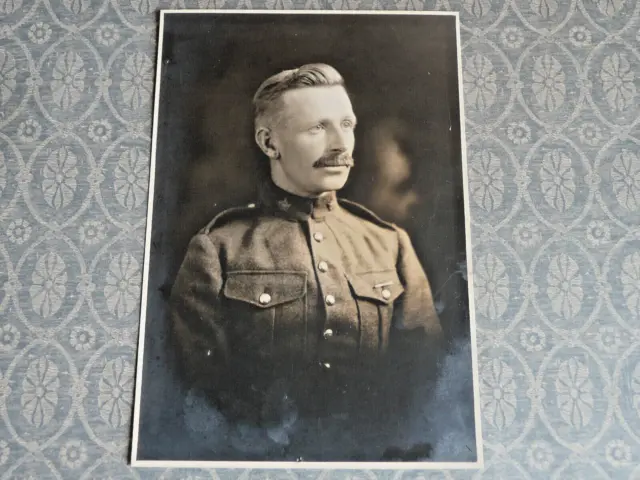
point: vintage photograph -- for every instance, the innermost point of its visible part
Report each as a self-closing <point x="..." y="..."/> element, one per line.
<point x="307" y="298"/>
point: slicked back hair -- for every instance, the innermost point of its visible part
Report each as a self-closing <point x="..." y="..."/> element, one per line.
<point x="309" y="75"/>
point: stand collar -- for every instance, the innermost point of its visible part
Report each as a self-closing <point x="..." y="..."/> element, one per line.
<point x="295" y="207"/>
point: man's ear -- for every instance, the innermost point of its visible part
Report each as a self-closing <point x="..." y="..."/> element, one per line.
<point x="264" y="139"/>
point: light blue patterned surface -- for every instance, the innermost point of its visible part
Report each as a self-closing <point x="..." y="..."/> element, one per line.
<point x="552" y="104"/>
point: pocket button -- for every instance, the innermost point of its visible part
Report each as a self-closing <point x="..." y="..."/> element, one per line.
<point x="264" y="299"/>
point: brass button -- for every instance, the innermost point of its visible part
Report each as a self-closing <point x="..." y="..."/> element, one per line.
<point x="264" y="298"/>
<point x="328" y="333"/>
<point x="323" y="267"/>
<point x="386" y="294"/>
<point x="251" y="205"/>
<point x="326" y="365"/>
<point x="318" y="237"/>
<point x="330" y="299"/>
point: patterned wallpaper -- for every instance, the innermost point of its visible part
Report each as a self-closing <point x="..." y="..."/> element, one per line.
<point x="552" y="104"/>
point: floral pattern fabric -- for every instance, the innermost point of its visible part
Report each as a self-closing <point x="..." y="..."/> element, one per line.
<point x="552" y="123"/>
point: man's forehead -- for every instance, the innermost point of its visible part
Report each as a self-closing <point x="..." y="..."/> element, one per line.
<point x="316" y="101"/>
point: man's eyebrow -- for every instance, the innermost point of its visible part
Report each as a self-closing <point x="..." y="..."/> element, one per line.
<point x="328" y="121"/>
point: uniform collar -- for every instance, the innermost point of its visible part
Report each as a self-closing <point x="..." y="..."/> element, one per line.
<point x="292" y="206"/>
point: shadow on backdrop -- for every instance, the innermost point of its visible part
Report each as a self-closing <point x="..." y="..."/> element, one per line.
<point x="402" y="74"/>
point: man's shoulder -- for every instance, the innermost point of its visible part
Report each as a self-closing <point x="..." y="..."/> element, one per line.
<point x="233" y="216"/>
<point x="242" y="216"/>
<point x="367" y="215"/>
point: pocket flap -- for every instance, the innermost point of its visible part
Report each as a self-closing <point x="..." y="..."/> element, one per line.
<point x="383" y="286"/>
<point x="265" y="289"/>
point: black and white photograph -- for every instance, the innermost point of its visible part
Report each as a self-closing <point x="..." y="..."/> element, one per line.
<point x="307" y="294"/>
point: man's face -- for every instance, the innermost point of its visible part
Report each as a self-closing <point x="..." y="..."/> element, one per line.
<point x="315" y="139"/>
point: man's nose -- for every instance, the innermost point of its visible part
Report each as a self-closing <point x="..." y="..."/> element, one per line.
<point x="337" y="141"/>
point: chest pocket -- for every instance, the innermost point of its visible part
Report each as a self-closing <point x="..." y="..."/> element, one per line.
<point x="262" y="308"/>
<point x="375" y="294"/>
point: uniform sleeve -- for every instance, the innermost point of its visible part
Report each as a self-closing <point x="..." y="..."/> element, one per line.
<point x="416" y="308"/>
<point x="194" y="303"/>
<point x="199" y="335"/>
<point x="416" y="338"/>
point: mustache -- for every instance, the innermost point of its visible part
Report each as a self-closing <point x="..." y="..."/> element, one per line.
<point x="343" y="159"/>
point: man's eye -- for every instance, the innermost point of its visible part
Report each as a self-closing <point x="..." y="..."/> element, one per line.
<point x="348" y="124"/>
<point x="316" y="128"/>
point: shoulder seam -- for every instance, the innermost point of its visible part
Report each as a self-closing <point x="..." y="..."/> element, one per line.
<point x="215" y="220"/>
<point x="371" y="214"/>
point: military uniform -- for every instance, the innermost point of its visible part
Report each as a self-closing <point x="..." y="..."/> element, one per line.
<point x="317" y="302"/>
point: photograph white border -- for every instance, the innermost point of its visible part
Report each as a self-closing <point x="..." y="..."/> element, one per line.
<point x="135" y="462"/>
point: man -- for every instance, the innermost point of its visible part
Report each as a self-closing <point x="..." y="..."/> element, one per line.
<point x="302" y="306"/>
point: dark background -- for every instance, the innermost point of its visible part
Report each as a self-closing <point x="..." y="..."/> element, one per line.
<point x="402" y="74"/>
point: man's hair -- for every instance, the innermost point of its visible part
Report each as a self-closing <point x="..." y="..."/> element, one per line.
<point x="309" y="75"/>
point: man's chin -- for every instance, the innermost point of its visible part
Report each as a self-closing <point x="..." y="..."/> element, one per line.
<point x="335" y="182"/>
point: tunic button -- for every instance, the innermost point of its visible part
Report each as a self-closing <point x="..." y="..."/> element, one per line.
<point x="326" y="365"/>
<point x="386" y="294"/>
<point x="323" y="267"/>
<point x="328" y="333"/>
<point x="330" y="299"/>
<point x="264" y="298"/>
<point x="318" y="237"/>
